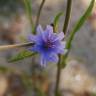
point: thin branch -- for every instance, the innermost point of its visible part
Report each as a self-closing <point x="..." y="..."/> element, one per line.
<point x="58" y="77"/>
<point x="39" y="13"/>
<point x="67" y="17"/>
<point x="4" y="47"/>
<point x="66" y="22"/>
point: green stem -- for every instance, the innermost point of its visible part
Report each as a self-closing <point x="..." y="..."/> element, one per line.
<point x="4" y="47"/>
<point x="38" y="14"/>
<point x="66" y="22"/>
<point x="58" y="77"/>
<point x="67" y="17"/>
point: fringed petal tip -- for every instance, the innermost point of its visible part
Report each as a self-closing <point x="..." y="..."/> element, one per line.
<point x="31" y="38"/>
<point x="43" y="62"/>
<point x="39" y="29"/>
<point x="61" y="36"/>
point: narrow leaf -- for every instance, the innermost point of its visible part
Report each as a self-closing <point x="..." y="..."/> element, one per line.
<point x="21" y="56"/>
<point x="76" y="28"/>
<point x="56" y="20"/>
<point x="80" y="24"/>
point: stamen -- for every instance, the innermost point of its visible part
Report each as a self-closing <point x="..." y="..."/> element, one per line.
<point x="48" y="44"/>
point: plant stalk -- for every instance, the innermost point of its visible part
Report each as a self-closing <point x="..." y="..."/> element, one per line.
<point x="68" y="15"/>
<point x="4" y="47"/>
<point x="58" y="77"/>
<point x="66" y="22"/>
<point x="39" y="13"/>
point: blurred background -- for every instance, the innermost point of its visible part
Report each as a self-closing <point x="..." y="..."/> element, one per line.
<point x="79" y="76"/>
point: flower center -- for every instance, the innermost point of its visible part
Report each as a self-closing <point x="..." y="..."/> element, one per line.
<point x="48" y="44"/>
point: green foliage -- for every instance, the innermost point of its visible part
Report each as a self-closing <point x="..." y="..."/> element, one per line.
<point x="56" y="20"/>
<point x="93" y="94"/>
<point x="75" y="30"/>
<point x="22" y="55"/>
<point x="3" y="69"/>
<point x="80" y="24"/>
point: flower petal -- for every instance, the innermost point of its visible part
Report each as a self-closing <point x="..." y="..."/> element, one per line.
<point x="60" y="51"/>
<point x="61" y="36"/>
<point x="48" y="31"/>
<point x="63" y="44"/>
<point x="31" y="38"/>
<point x="35" y="38"/>
<point x="54" y="37"/>
<point x="52" y="57"/>
<point x="35" y="48"/>
<point x="59" y="48"/>
<point x="43" y="62"/>
<point x="41" y="33"/>
<point x="39" y="29"/>
<point x="48" y="44"/>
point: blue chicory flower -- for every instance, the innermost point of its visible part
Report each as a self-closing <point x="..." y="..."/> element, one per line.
<point x="48" y="44"/>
